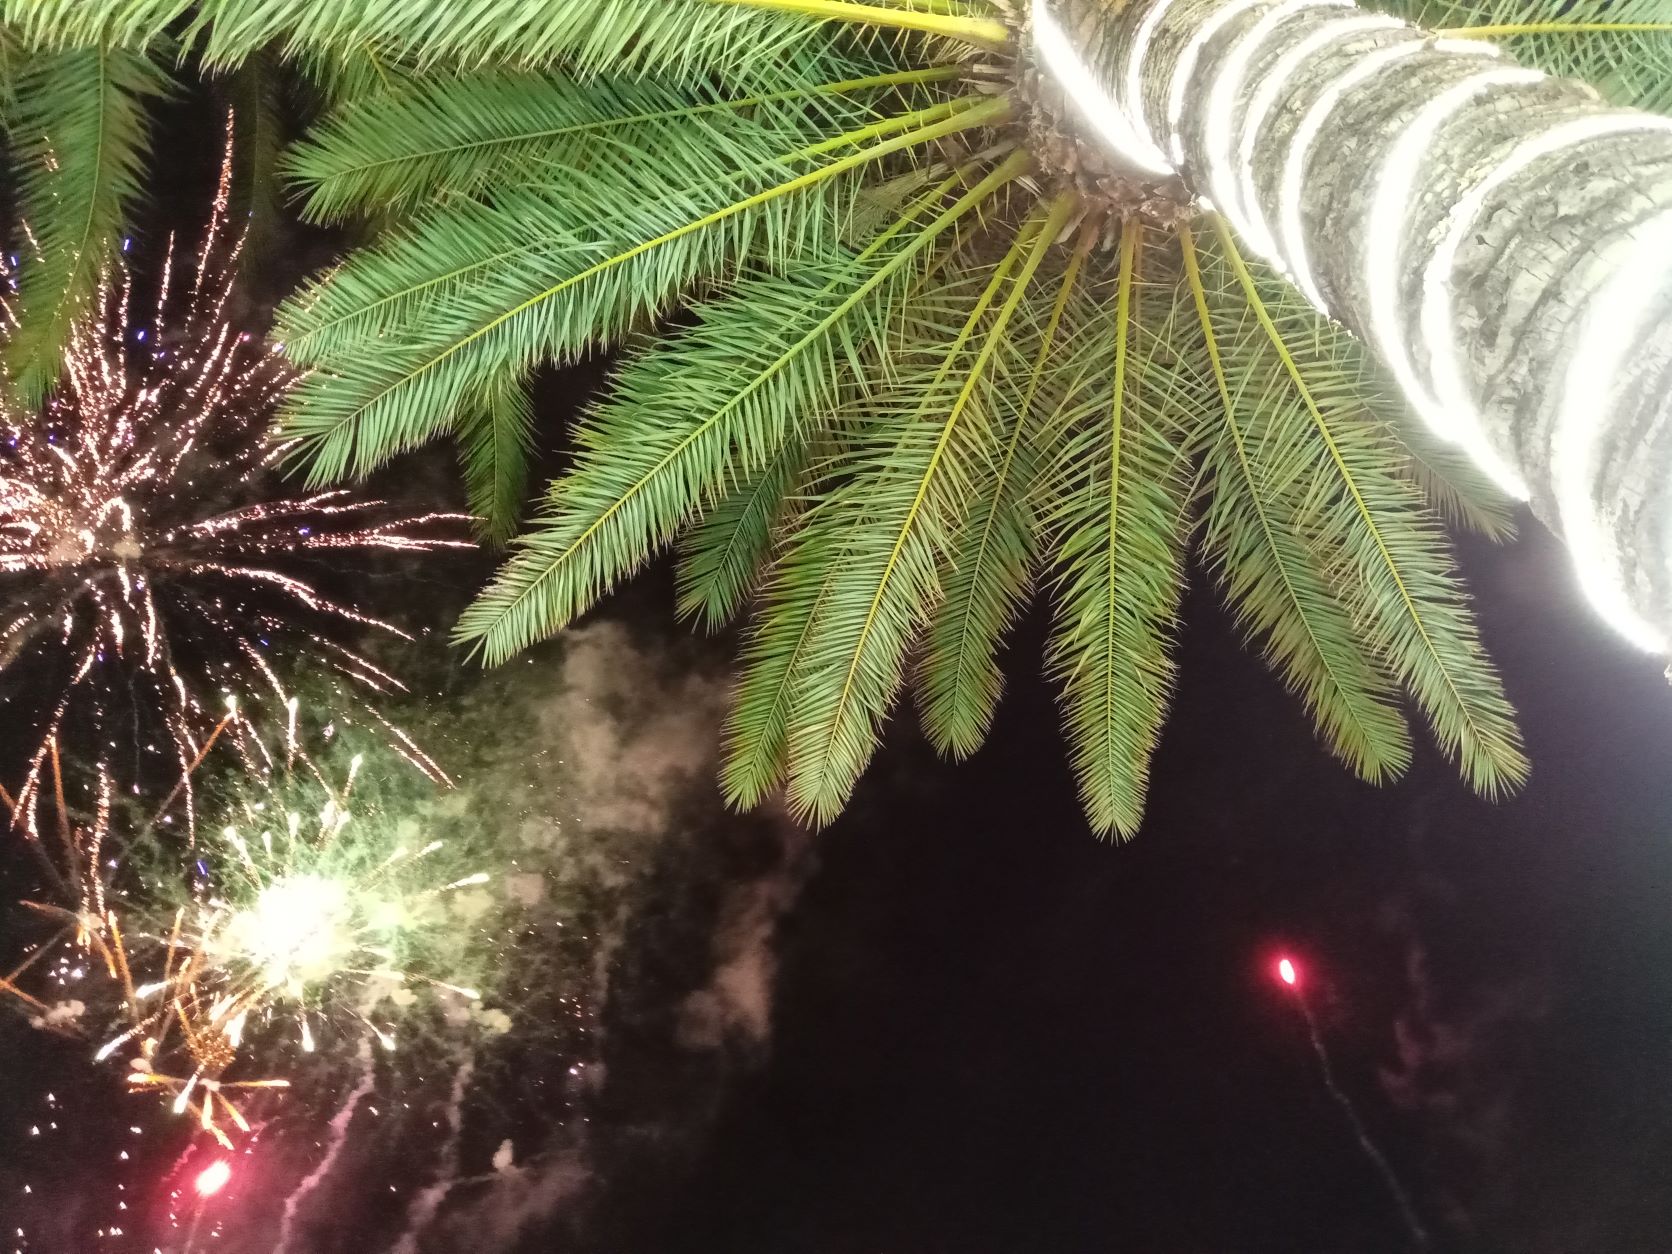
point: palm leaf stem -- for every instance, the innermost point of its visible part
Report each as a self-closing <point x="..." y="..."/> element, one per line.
<point x="985" y="32"/>
<point x="1130" y="237"/>
<point x="931" y="117"/>
<point x="1509" y="30"/>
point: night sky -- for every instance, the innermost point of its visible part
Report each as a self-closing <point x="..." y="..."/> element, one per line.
<point x="995" y="1033"/>
<point x="972" y="1026"/>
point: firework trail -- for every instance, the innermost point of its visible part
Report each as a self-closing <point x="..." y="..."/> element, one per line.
<point x="149" y="560"/>
<point x="1407" y="1212"/>
<point x="336" y="1136"/>
<point x="429" y="1199"/>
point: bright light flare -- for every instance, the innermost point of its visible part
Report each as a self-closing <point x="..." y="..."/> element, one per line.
<point x="317" y="907"/>
<point x="1287" y="973"/>
<point x="213" y="1178"/>
<point x="309" y="909"/>
<point x="297" y="923"/>
<point x="1056" y="50"/>
<point x="1620" y="312"/>
<point x="299" y="931"/>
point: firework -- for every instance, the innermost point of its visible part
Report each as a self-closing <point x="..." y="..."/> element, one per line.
<point x="149" y="563"/>
<point x="306" y="915"/>
<point x="317" y="912"/>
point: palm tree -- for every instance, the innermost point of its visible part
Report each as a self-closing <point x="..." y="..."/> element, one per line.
<point x="1500" y="236"/>
<point x="902" y="343"/>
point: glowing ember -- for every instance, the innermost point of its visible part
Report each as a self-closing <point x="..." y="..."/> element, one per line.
<point x="1286" y="972"/>
<point x="213" y="1178"/>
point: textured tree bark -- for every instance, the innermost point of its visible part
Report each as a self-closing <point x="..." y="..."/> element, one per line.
<point x="1502" y="239"/>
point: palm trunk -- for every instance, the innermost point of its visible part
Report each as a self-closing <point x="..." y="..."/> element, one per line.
<point x="1502" y="239"/>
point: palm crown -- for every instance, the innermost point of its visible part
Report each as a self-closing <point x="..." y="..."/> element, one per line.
<point x="937" y="356"/>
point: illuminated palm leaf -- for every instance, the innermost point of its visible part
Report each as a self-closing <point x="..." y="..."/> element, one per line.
<point x="936" y="353"/>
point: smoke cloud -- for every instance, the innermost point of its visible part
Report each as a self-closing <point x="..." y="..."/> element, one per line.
<point x="644" y="984"/>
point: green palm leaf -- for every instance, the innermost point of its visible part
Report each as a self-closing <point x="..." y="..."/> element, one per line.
<point x="1266" y="551"/>
<point x="757" y="734"/>
<point x="1116" y="512"/>
<point x="1406" y="598"/>
<point x="894" y="520"/>
<point x="494" y="446"/>
<point x="720" y="556"/>
<point x="401" y="281"/>
<point x="757" y="371"/>
<point x="990" y="571"/>
<point x="1621" y="47"/>
<point x="691" y="39"/>
<point x="80" y="139"/>
<point x="574" y="270"/>
<point x="461" y="134"/>
<point x="1456" y="489"/>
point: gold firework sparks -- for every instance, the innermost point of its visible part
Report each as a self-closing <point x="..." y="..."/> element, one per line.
<point x="149" y="563"/>
<point x="307" y="913"/>
<point x="312" y="915"/>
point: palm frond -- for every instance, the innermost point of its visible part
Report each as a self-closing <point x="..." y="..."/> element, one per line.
<point x="689" y="39"/>
<point x="341" y="77"/>
<point x="759" y="369"/>
<point x="80" y="139"/>
<point x="459" y="134"/>
<point x="1405" y="594"/>
<point x="1455" y="487"/>
<point x="1621" y="47"/>
<point x="991" y="568"/>
<point x="757" y="734"/>
<point x="1116" y="515"/>
<point x="554" y="272"/>
<point x="691" y="157"/>
<point x="720" y="557"/>
<point x="1261" y="541"/>
<point x="494" y="447"/>
<point x="892" y="523"/>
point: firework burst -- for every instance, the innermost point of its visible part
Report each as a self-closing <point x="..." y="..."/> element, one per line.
<point x="294" y="916"/>
<point x="311" y="917"/>
<point x="149" y="564"/>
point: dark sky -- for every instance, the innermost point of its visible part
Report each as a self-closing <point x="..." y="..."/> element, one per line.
<point x="991" y="1032"/>
<point x="996" y="1033"/>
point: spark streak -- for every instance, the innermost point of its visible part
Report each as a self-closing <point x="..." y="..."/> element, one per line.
<point x="293" y="918"/>
<point x="428" y="1200"/>
<point x="149" y="561"/>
